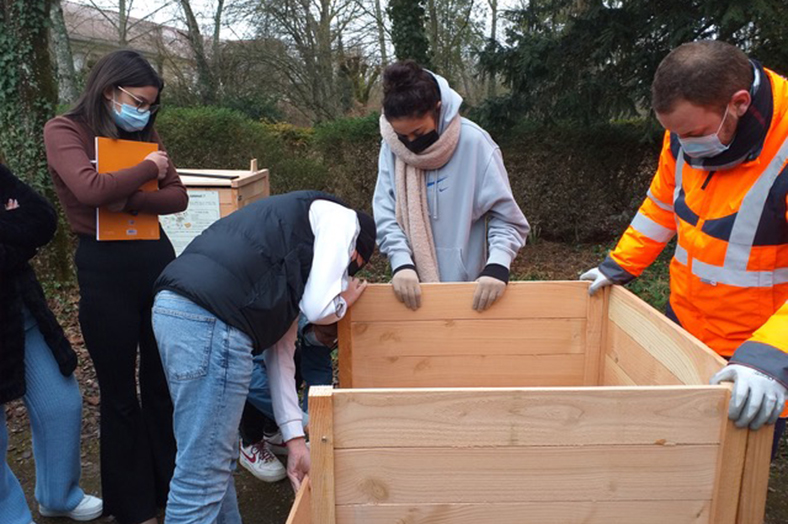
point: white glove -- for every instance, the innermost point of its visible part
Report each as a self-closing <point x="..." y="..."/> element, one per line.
<point x="488" y="290"/>
<point x="406" y="287"/>
<point x="598" y="280"/>
<point x="757" y="398"/>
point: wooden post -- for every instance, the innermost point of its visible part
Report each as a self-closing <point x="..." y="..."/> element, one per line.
<point x="302" y="506"/>
<point x="755" y="481"/>
<point x="596" y="323"/>
<point x="730" y="465"/>
<point x="345" y="357"/>
<point x="321" y="431"/>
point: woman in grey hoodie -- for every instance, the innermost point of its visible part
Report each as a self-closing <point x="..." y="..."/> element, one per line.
<point x="443" y="205"/>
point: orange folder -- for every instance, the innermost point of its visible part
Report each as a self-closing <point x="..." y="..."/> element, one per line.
<point x="113" y="155"/>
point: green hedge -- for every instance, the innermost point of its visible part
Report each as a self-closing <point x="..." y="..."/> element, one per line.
<point x="574" y="184"/>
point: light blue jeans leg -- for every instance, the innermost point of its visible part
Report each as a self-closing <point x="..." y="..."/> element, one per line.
<point x="208" y="365"/>
<point x="54" y="405"/>
<point x="13" y="506"/>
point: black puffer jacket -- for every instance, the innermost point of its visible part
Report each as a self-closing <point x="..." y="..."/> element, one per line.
<point x="22" y="231"/>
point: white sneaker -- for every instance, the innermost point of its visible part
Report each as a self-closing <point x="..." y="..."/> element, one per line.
<point x="89" y="508"/>
<point x="262" y="463"/>
<point x="275" y="443"/>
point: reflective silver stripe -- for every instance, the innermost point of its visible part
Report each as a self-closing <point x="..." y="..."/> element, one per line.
<point x="733" y="277"/>
<point x="659" y="203"/>
<point x="651" y="229"/>
<point x="681" y="254"/>
<point x="749" y="216"/>
<point x="678" y="175"/>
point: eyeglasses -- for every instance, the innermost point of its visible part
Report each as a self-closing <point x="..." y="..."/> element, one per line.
<point x="142" y="105"/>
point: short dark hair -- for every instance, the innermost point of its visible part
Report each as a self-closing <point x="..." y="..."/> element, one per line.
<point x="126" y="68"/>
<point x="409" y="90"/>
<point x="705" y="73"/>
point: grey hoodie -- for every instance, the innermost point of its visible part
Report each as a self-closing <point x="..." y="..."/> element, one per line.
<point x="471" y="189"/>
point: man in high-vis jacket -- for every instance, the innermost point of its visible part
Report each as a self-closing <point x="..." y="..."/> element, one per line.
<point x="722" y="186"/>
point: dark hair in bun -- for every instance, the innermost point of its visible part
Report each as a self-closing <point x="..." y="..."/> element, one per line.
<point x="408" y="90"/>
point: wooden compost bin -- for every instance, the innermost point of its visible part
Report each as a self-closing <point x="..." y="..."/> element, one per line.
<point x="236" y="188"/>
<point x="549" y="408"/>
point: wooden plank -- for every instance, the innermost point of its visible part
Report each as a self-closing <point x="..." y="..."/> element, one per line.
<point x="345" y="353"/>
<point x="640" y="365"/>
<point x="603" y="512"/>
<point x="444" y="301"/>
<point x="684" y="355"/>
<point x="467" y="371"/>
<point x="730" y="466"/>
<point x="614" y="375"/>
<point x="469" y="337"/>
<point x="492" y="475"/>
<point x="528" y="417"/>
<point x="755" y="480"/>
<point x="301" y="512"/>
<point x="596" y="334"/>
<point x="321" y="431"/>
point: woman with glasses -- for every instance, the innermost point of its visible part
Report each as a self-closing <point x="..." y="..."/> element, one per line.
<point x="116" y="277"/>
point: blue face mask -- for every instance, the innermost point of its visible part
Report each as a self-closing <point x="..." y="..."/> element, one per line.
<point x="129" y="119"/>
<point x="705" y="146"/>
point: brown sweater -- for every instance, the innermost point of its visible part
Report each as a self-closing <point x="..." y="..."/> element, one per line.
<point x="71" y="146"/>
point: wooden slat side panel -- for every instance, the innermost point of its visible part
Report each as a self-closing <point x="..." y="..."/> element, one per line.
<point x="684" y="355"/>
<point x="322" y="474"/>
<point x="595" y="339"/>
<point x="517" y="417"/>
<point x="614" y="375"/>
<point x="469" y="337"/>
<point x="492" y="475"/>
<point x="345" y="354"/>
<point x="467" y="371"/>
<point x="755" y="480"/>
<point x="301" y="513"/>
<point x="636" y="512"/>
<point x="640" y="365"/>
<point x="730" y="467"/>
<point x="445" y="301"/>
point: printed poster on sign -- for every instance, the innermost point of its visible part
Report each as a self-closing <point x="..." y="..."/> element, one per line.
<point x="184" y="227"/>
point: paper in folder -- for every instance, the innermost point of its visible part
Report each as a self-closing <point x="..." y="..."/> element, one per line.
<point x="113" y="155"/>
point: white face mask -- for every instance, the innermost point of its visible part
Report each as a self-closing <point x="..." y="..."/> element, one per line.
<point x="705" y="146"/>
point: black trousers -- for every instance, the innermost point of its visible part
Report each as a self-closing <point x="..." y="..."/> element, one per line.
<point x="137" y="443"/>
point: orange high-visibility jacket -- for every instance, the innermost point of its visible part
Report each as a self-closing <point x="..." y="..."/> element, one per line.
<point x="729" y="273"/>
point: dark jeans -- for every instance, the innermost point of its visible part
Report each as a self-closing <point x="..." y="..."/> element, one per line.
<point x="779" y="427"/>
<point x="137" y="443"/>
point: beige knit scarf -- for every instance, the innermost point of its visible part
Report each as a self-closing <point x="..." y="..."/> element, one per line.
<point x="412" y="211"/>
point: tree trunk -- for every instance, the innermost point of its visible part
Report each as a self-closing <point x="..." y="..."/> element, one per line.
<point x="28" y="94"/>
<point x="381" y="34"/>
<point x="491" y="88"/>
<point x="67" y="78"/>
<point x="434" y="33"/>
<point x="217" y="29"/>
<point x="205" y="80"/>
<point x="123" y="23"/>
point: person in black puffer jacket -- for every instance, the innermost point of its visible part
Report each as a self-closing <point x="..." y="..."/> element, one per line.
<point x="37" y="364"/>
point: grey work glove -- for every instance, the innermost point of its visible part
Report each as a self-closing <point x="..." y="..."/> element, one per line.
<point x="488" y="290"/>
<point x="406" y="288"/>
<point x="757" y="398"/>
<point x="598" y="280"/>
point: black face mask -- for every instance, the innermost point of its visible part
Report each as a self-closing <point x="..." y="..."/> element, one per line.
<point x="421" y="143"/>
<point x="353" y="268"/>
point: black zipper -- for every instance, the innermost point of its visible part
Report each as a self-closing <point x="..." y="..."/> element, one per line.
<point x="708" y="179"/>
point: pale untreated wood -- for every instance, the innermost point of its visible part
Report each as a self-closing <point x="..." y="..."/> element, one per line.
<point x="321" y="432"/>
<point x="444" y="301"/>
<point x="640" y="365"/>
<point x="685" y="356"/>
<point x="730" y="466"/>
<point x="595" y="339"/>
<point x="470" y="337"/>
<point x="345" y="353"/>
<point x="614" y="375"/>
<point x="467" y="371"/>
<point x="602" y="512"/>
<point x="755" y="480"/>
<point x="301" y="513"/>
<point x="493" y="475"/>
<point x="527" y="417"/>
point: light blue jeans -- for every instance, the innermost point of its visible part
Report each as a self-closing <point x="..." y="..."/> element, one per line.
<point x="54" y="406"/>
<point x="208" y="365"/>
